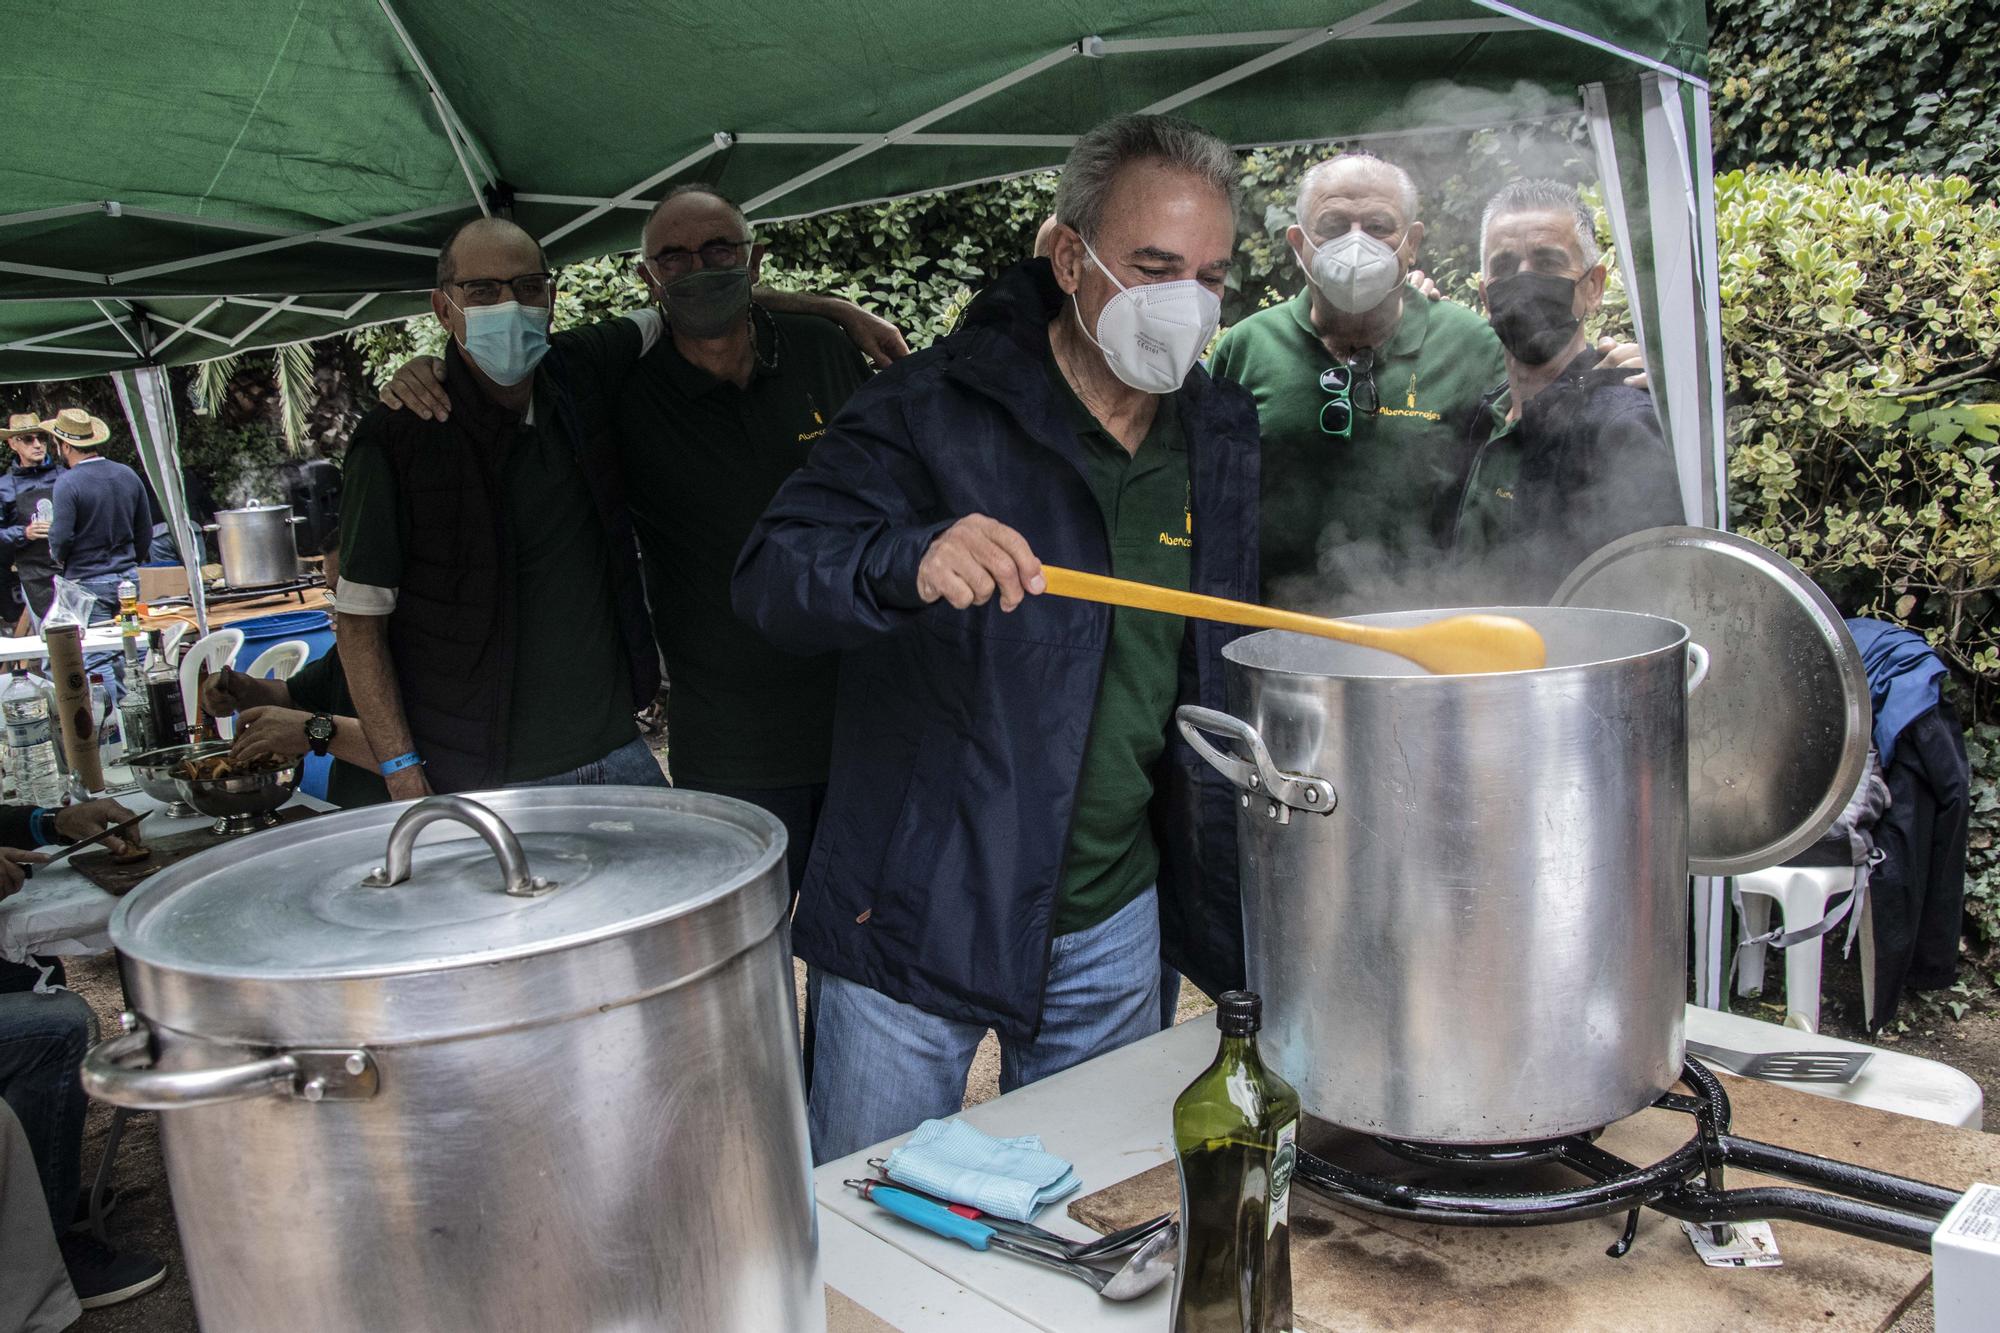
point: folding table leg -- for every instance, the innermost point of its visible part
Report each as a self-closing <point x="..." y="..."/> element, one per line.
<point x="100" y="1186"/>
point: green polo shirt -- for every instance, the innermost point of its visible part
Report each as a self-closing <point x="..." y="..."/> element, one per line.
<point x="701" y="460"/>
<point x="1356" y="523"/>
<point x="1145" y="499"/>
<point x="1485" y="508"/>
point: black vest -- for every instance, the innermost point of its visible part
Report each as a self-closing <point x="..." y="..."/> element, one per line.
<point x="453" y="630"/>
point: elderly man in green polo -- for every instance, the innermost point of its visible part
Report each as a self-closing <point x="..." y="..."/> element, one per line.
<point x="1364" y="390"/>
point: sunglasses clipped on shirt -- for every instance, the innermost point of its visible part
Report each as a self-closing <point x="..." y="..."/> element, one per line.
<point x="1351" y="388"/>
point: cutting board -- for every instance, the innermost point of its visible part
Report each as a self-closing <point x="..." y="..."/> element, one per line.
<point x="1358" y="1272"/>
<point x="114" y="878"/>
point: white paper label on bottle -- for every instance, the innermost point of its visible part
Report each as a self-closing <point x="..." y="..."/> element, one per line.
<point x="1283" y="1162"/>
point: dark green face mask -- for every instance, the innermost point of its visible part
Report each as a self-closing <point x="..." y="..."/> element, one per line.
<point x="707" y="302"/>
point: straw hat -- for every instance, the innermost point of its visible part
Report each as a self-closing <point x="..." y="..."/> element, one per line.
<point x="77" y="428"/>
<point x="21" y="423"/>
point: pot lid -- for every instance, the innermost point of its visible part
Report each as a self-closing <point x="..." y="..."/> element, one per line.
<point x="1778" y="731"/>
<point x="302" y="902"/>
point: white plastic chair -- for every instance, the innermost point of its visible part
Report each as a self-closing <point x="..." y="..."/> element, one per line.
<point x="209" y="654"/>
<point x="171" y="636"/>
<point x="280" y="661"/>
<point x="1801" y="894"/>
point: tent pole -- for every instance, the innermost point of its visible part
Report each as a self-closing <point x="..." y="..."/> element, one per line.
<point x="1299" y="46"/>
<point x="1708" y="254"/>
<point x="931" y="117"/>
<point x="454" y="124"/>
<point x="147" y="397"/>
<point x="722" y="140"/>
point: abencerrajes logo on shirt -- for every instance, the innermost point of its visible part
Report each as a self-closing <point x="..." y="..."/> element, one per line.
<point x="1168" y="539"/>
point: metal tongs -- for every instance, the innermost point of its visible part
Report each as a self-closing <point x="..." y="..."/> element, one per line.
<point x="1149" y="1250"/>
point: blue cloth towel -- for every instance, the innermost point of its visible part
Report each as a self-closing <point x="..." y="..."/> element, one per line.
<point x="1008" y="1178"/>
<point x="1903" y="675"/>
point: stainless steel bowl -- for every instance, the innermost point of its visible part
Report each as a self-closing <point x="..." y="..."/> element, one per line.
<point x="241" y="803"/>
<point x="155" y="771"/>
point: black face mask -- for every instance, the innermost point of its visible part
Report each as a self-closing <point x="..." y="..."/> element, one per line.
<point x="1531" y="314"/>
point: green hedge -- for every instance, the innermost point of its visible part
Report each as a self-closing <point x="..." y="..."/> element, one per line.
<point x="1862" y="333"/>
<point x="1902" y="84"/>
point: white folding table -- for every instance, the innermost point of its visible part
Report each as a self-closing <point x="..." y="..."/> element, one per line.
<point x="1111" y="1119"/>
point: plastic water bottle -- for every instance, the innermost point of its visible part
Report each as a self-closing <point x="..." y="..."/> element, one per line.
<point x="31" y="746"/>
<point x="128" y="602"/>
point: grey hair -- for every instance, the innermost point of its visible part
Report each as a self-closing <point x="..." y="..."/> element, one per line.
<point x="1317" y="173"/>
<point x="1543" y="196"/>
<point x="686" y="188"/>
<point x="1101" y="153"/>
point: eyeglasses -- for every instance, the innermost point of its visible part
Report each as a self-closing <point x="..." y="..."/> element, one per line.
<point x="1352" y="386"/>
<point x="527" y="288"/>
<point x="675" y="263"/>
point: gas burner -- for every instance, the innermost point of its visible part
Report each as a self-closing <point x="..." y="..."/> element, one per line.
<point x="1686" y="1184"/>
<point x="1479" y="1156"/>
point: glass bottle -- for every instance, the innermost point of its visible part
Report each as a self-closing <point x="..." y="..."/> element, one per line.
<point x="1236" y="1140"/>
<point x="163" y="697"/>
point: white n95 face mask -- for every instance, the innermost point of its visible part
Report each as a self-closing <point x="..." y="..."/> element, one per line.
<point x="1152" y="335"/>
<point x="1354" y="271"/>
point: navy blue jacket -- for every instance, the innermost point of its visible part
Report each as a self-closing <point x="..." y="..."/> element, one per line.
<point x="959" y="735"/>
<point x="103" y="523"/>
<point x="14" y="520"/>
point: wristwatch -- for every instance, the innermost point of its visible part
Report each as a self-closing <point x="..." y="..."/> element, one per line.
<point x="319" y="732"/>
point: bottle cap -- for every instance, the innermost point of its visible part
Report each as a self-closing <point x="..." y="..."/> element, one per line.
<point x="1239" y="1013"/>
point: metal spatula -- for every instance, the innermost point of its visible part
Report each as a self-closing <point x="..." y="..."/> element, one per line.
<point x="1786" y="1066"/>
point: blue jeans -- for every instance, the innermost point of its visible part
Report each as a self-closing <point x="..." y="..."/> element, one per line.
<point x="110" y="665"/>
<point x="882" y="1067"/>
<point x="630" y="765"/>
<point x="42" y="1041"/>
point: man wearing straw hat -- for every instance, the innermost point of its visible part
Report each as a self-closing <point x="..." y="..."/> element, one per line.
<point x="103" y="522"/>
<point x="27" y="501"/>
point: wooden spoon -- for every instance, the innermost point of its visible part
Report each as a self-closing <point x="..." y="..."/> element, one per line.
<point x="1454" y="646"/>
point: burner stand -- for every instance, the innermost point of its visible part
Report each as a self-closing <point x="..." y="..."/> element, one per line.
<point x="1687" y="1184"/>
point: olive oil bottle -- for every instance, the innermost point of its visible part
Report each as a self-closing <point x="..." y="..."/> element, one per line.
<point x="1235" y="1135"/>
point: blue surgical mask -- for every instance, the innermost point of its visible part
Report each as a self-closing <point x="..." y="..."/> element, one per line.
<point x="507" y="340"/>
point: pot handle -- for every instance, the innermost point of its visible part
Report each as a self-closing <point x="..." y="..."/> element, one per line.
<point x="1256" y="776"/>
<point x="114" y="1071"/>
<point x="397" y="861"/>
<point x="1697" y="665"/>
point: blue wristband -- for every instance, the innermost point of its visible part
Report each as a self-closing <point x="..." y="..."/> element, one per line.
<point x="401" y="762"/>
<point x="39" y="827"/>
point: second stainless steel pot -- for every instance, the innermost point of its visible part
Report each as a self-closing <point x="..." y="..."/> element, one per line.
<point x="1465" y="897"/>
<point x="257" y="546"/>
<point x="541" y="1072"/>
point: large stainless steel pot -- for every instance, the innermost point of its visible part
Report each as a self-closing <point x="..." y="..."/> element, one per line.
<point x="1465" y="897"/>
<point x="539" y="1071"/>
<point x="256" y="545"/>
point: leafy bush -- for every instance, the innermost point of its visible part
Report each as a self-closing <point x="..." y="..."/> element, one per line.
<point x="1982" y="856"/>
<point x="1902" y="84"/>
<point x="1862" y="338"/>
<point x="917" y="261"/>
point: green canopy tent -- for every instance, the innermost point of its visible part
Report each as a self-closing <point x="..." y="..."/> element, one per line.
<point x="185" y="181"/>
